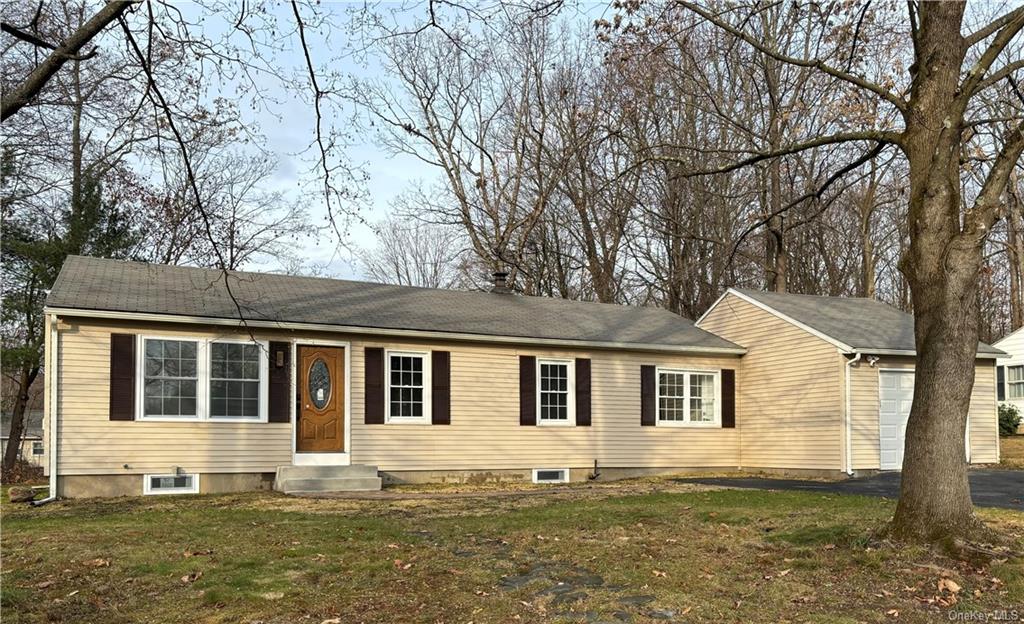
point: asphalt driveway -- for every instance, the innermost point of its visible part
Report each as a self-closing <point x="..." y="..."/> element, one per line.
<point x="989" y="488"/>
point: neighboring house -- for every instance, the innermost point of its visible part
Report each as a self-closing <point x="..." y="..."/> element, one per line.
<point x="332" y="385"/>
<point x="32" y="448"/>
<point x="1010" y="375"/>
<point x="827" y="382"/>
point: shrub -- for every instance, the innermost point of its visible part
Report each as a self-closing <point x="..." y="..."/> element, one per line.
<point x="23" y="472"/>
<point x="1009" y="419"/>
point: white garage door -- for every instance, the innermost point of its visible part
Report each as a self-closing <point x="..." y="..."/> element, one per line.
<point x="896" y="395"/>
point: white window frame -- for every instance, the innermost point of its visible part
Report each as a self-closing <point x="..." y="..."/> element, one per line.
<point x="564" y="479"/>
<point x="717" y="417"/>
<point x="42" y="449"/>
<point x="570" y="402"/>
<point x="202" y="380"/>
<point x="1010" y="384"/>
<point x="147" y="490"/>
<point x="264" y="380"/>
<point x="425" y="419"/>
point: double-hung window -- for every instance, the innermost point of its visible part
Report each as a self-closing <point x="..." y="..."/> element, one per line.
<point x="555" y="385"/>
<point x="170" y="379"/>
<point x="1015" y="382"/>
<point x="408" y="375"/>
<point x="688" y="398"/>
<point x="192" y="379"/>
<point x="235" y="380"/>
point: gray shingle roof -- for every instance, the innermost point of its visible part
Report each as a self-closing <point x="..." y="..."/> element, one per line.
<point x="864" y="324"/>
<point x="114" y="285"/>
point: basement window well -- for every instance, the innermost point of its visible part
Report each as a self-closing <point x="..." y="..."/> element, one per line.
<point x="170" y="484"/>
<point x="550" y="475"/>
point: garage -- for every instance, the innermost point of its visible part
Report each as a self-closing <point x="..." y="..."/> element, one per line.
<point x="895" y="396"/>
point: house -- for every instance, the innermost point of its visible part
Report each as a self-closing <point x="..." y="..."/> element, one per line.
<point x="827" y="382"/>
<point x="330" y="384"/>
<point x="32" y="448"/>
<point x="1010" y="374"/>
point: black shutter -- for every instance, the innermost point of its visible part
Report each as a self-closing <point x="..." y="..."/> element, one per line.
<point x="280" y="382"/>
<point x="582" y="392"/>
<point x="728" y="398"/>
<point x="648" y="396"/>
<point x="440" y="391"/>
<point x="1000" y="383"/>
<point x="527" y="390"/>
<point x="122" y="376"/>
<point x="374" y="389"/>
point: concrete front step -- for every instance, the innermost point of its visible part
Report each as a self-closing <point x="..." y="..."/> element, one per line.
<point x="321" y="479"/>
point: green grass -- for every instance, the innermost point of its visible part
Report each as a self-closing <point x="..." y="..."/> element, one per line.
<point x="704" y="555"/>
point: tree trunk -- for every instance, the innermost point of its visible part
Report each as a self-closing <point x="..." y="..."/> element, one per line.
<point x="1015" y="258"/>
<point x="935" y="501"/>
<point x="25" y="379"/>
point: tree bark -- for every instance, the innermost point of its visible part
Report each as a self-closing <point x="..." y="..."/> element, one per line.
<point x="25" y="380"/>
<point x="21" y="95"/>
<point x="941" y="266"/>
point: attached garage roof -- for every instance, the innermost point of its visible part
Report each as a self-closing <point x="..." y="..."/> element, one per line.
<point x="861" y="324"/>
<point x="93" y="284"/>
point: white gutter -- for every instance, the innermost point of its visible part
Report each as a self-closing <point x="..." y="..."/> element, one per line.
<point x="848" y="420"/>
<point x="377" y="331"/>
<point x="52" y="375"/>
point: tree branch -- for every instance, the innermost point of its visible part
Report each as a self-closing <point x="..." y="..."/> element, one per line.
<point x="999" y="74"/>
<point x="985" y="211"/>
<point x="987" y="30"/>
<point x="21" y="95"/>
<point x="878" y="136"/>
<point x="857" y="81"/>
<point x="976" y="74"/>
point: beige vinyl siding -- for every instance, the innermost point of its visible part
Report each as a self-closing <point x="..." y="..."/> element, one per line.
<point x="485" y="430"/>
<point x="984" y="429"/>
<point x="484" y="434"/>
<point x="789" y="389"/>
<point x="90" y="443"/>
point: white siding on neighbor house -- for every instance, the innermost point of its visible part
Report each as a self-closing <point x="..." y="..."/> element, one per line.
<point x="1014" y="346"/>
<point x="484" y="432"/>
<point x="864" y="379"/>
<point x="789" y="389"/>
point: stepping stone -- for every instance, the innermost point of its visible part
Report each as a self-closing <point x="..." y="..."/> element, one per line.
<point x="622" y="616"/>
<point x="568" y="597"/>
<point x="660" y="614"/>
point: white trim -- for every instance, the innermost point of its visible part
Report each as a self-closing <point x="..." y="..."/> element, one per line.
<point x="53" y="377"/>
<point x="376" y="331"/>
<point x="203" y="379"/>
<point x="713" y="306"/>
<point x="147" y="490"/>
<point x="715" y="373"/>
<point x="303" y="458"/>
<point x="1007" y="337"/>
<point x="570" y="394"/>
<point x="564" y="478"/>
<point x="848" y="417"/>
<point x="427" y="358"/>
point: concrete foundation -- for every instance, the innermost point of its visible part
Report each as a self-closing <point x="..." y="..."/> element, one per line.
<point x="106" y="486"/>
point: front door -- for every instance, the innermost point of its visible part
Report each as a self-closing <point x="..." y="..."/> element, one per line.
<point x="896" y="396"/>
<point x="321" y="426"/>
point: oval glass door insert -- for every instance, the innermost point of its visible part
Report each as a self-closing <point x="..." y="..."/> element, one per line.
<point x="319" y="383"/>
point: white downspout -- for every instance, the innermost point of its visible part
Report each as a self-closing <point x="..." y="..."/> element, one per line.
<point x="847" y="416"/>
<point x="52" y="376"/>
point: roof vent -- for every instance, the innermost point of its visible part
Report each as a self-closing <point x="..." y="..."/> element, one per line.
<point x="500" y="282"/>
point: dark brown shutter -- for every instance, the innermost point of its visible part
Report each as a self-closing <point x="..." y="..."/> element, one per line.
<point x="527" y="390"/>
<point x="280" y="388"/>
<point x="1000" y="383"/>
<point x="374" y="390"/>
<point x="122" y="376"/>
<point x="582" y="392"/>
<point x="728" y="398"/>
<point x="440" y="391"/>
<point x="648" y="396"/>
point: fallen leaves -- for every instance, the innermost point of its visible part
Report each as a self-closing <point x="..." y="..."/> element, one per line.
<point x="98" y="563"/>
<point x="402" y="565"/>
<point x="192" y="577"/>
<point x="659" y="573"/>
<point x="196" y="553"/>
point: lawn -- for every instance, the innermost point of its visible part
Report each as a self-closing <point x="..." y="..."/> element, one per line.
<point x="641" y="551"/>
<point x="1011" y="452"/>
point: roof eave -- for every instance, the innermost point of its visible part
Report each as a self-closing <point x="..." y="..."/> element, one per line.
<point x="381" y="331"/>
